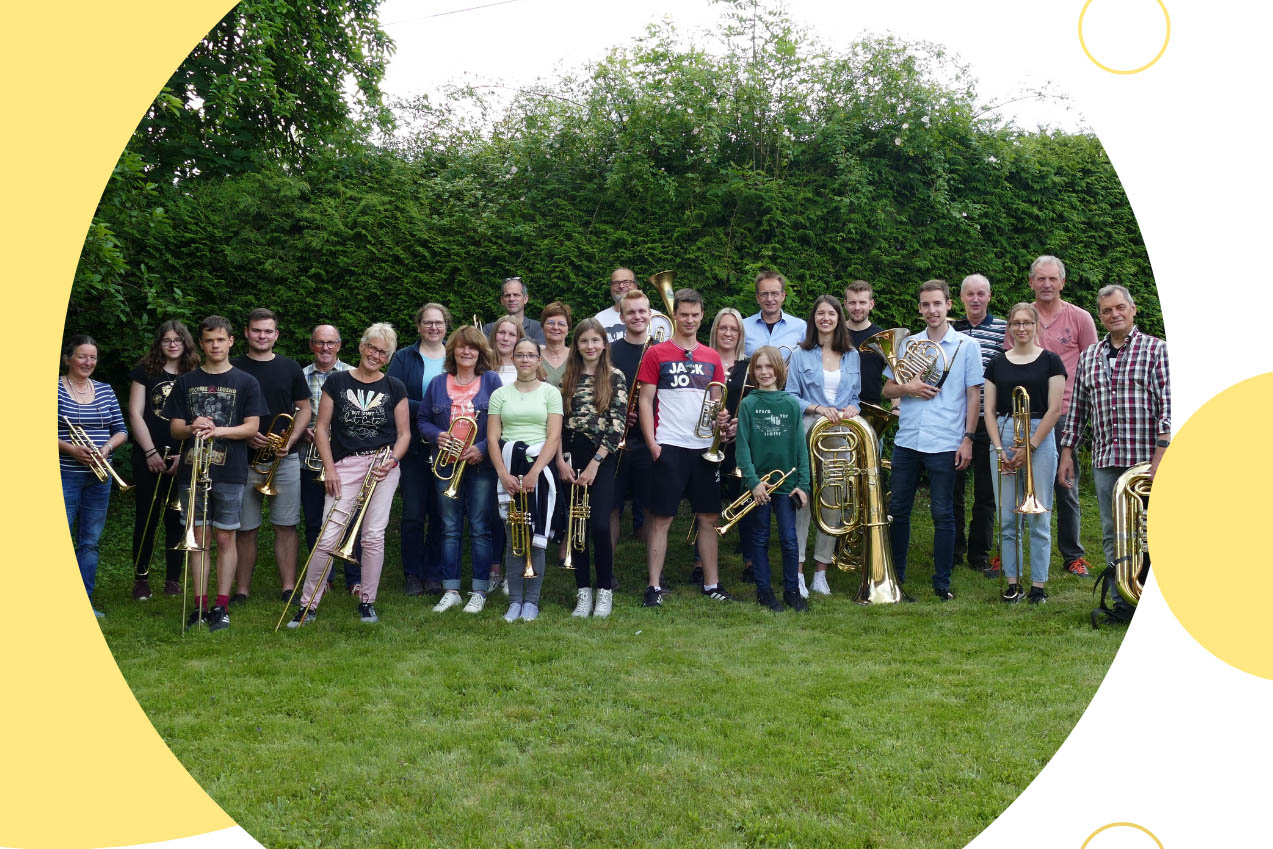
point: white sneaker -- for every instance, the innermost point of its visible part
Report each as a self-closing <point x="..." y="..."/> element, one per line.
<point x="804" y="590"/>
<point x="530" y="612"/>
<point x="605" y="600"/>
<point x="449" y="599"/>
<point x="476" y="602"/>
<point x="820" y="585"/>
<point x="583" y="606"/>
<point x="514" y="612"/>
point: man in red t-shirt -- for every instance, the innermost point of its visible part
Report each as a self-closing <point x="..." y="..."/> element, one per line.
<point x="674" y="378"/>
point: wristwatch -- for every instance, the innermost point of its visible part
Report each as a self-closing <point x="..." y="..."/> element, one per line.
<point x="1163" y="443"/>
<point x="968" y="435"/>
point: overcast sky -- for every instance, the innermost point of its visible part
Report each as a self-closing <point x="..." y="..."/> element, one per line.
<point x="517" y="41"/>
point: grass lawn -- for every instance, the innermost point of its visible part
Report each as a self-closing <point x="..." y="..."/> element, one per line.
<point x="700" y="724"/>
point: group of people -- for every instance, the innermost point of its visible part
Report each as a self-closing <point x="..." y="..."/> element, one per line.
<point x="526" y="418"/>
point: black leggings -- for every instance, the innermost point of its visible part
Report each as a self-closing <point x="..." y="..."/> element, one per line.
<point x="144" y="483"/>
<point x="601" y="502"/>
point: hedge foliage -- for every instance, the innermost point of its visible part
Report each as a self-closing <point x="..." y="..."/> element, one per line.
<point x="870" y="162"/>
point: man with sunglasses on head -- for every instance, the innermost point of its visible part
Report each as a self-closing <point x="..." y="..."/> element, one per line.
<point x="622" y="281"/>
<point x="513" y="298"/>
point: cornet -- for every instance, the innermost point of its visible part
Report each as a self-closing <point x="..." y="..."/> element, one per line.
<point x="707" y="424"/>
<point x="266" y="459"/>
<point x="100" y="465"/>
<point x="521" y="528"/>
<point x="447" y="465"/>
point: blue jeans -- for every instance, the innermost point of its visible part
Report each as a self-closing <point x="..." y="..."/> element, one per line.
<point x="477" y="502"/>
<point x="940" y="466"/>
<point x="1043" y="463"/>
<point x="758" y="525"/>
<point x="87" y="500"/>
<point x="421" y="554"/>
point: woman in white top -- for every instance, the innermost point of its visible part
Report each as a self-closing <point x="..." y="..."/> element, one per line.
<point x="506" y="332"/>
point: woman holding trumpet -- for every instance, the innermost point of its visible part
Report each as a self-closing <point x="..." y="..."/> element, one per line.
<point x="362" y="413"/>
<point x="522" y="432"/>
<point x="595" y="405"/>
<point x="89" y="427"/>
<point x="462" y="391"/>
<point x="1026" y="365"/>
<point x="771" y="443"/>
<point x="155" y="459"/>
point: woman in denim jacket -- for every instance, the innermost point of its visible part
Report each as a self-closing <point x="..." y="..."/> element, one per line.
<point x="825" y="376"/>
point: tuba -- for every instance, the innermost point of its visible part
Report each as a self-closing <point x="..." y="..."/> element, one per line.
<point x="266" y="459"/>
<point x="924" y="359"/>
<point x="848" y="502"/>
<point x="447" y="465"/>
<point x="1131" y="531"/>
<point x="745" y="503"/>
<point x="662" y="282"/>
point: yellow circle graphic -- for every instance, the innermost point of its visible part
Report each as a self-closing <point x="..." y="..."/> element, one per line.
<point x="1104" y="67"/>
<point x="1122" y="825"/>
<point x="1207" y="516"/>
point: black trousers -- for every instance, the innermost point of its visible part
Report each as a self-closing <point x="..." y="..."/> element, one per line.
<point x="601" y="502"/>
<point x="979" y="539"/>
<point x="145" y="482"/>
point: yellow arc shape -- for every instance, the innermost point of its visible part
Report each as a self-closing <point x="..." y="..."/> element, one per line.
<point x="1122" y="825"/>
<point x="1104" y="67"/>
<point x="1208" y="521"/>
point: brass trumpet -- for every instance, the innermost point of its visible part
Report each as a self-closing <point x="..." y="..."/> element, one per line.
<point x="745" y="503"/>
<point x="662" y="282"/>
<point x="100" y="465"/>
<point x="1131" y="531"/>
<point x="707" y="424"/>
<point x="266" y="460"/>
<point x="521" y="528"/>
<point x="577" y="515"/>
<point x="447" y="465"/>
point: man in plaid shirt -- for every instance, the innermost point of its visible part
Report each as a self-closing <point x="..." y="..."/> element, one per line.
<point x="1121" y="384"/>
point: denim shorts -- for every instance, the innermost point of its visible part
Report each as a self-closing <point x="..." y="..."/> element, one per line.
<point x="223" y="512"/>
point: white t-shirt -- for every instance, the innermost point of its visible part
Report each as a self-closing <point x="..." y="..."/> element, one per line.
<point x="830" y="382"/>
<point x="613" y="323"/>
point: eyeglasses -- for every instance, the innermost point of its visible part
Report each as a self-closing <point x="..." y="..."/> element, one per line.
<point x="512" y="279"/>
<point x="379" y="352"/>
<point x="433" y="324"/>
<point x="1021" y="325"/>
<point x="174" y="341"/>
<point x="623" y="282"/>
<point x="526" y="355"/>
<point x="764" y="296"/>
<point x="324" y="343"/>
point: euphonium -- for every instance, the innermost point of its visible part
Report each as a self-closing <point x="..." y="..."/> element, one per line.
<point x="266" y="459"/>
<point x="521" y="528"/>
<point x="707" y="424"/>
<point x="577" y="515"/>
<point x="1131" y="531"/>
<point x="924" y="358"/>
<point x="745" y="503"/>
<point x="448" y="465"/>
<point x="101" y="467"/>
<point x="662" y="282"/>
<point x="848" y="502"/>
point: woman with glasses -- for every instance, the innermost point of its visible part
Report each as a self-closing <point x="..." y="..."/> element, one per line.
<point x="1042" y="374"/>
<point x="824" y="374"/>
<point x="416" y="366"/>
<point x="362" y="412"/>
<point x="155" y="459"/>
<point x="522" y="432"/>
<point x="465" y="389"/>
<point x="555" y="321"/>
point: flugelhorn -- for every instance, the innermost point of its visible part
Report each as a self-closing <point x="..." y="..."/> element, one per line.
<point x="745" y="503"/>
<point x="662" y="283"/>
<point x="1131" y="531"/>
<point x="448" y="465"/>
<point x="707" y="424"/>
<point x="266" y="459"/>
<point x="924" y="359"/>
<point x="101" y="467"/>
<point x="521" y="528"/>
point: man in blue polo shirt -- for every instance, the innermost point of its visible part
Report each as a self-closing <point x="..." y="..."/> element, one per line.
<point x="772" y="326"/>
<point x="935" y="432"/>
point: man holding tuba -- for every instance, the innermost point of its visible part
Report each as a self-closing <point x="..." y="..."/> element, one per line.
<point x="286" y="395"/>
<point x="939" y="408"/>
<point x="1122" y="386"/>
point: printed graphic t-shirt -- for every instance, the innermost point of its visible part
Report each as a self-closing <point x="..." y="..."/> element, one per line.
<point x="362" y="413"/>
<point x="226" y="398"/>
<point x="681" y="377"/>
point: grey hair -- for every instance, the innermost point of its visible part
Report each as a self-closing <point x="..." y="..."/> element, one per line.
<point x="1115" y="289"/>
<point x="1047" y="259"/>
<point x="974" y="278"/>
<point x="381" y="330"/>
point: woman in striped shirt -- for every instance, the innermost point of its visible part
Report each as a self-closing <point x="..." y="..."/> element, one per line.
<point x="92" y="406"/>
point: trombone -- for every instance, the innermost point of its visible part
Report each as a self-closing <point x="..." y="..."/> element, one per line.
<point x="521" y="528"/>
<point x="447" y="465"/>
<point x="150" y="512"/>
<point x="100" y="465"/>
<point x="1029" y="504"/>
<point x="200" y="484"/>
<point x="707" y="424"/>
<point x="745" y="503"/>
<point x="266" y="459"/>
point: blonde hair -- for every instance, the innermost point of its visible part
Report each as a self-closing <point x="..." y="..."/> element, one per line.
<point x="384" y="331"/>
<point x="742" y="330"/>
<point x="1022" y="306"/>
<point x="775" y="359"/>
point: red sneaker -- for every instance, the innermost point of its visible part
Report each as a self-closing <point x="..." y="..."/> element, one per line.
<point x="1079" y="566"/>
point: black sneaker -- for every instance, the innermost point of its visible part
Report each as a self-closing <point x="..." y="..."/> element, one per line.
<point x="415" y="586"/>
<point x="1012" y="594"/>
<point x="1037" y="595"/>
<point x="433" y="588"/>
<point x="766" y="598"/>
<point x="795" y="601"/>
<point x="718" y="594"/>
<point x="172" y="588"/>
<point x="653" y="598"/>
<point x="196" y="617"/>
<point x="944" y="595"/>
<point x="696" y="576"/>
<point x="239" y="598"/>
<point x="141" y="590"/>
<point x="296" y="621"/>
<point x="286" y="595"/>
<point x="748" y="576"/>
<point x="367" y="613"/>
<point x="218" y="618"/>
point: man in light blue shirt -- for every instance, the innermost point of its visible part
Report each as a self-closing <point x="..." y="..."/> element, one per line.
<point x="772" y="326"/>
<point x="935" y="432"/>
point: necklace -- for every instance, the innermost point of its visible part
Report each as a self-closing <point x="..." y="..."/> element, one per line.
<point x="86" y="389"/>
